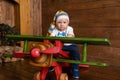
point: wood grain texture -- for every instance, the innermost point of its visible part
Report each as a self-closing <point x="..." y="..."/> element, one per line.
<point x="25" y="14"/>
<point x="24" y="71"/>
<point x="90" y="18"/>
<point x="36" y="17"/>
<point x="25" y="17"/>
<point x="6" y="13"/>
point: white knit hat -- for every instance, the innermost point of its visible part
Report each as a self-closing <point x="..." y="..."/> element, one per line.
<point x="61" y="15"/>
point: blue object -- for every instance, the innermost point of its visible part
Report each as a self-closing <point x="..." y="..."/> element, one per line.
<point x="61" y="34"/>
<point x="76" y="73"/>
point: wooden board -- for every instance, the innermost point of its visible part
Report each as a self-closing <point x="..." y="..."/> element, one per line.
<point x="92" y="41"/>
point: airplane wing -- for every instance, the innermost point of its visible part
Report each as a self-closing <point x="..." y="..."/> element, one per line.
<point x="92" y="41"/>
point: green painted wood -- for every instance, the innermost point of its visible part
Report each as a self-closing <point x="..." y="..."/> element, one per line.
<point x="25" y="46"/>
<point x="92" y="41"/>
<point x="80" y="62"/>
<point x="84" y="54"/>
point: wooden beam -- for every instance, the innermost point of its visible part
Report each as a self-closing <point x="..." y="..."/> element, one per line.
<point x="25" y="17"/>
<point x="22" y="17"/>
<point x="17" y="15"/>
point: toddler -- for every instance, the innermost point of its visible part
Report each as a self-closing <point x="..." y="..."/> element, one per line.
<point x="60" y="28"/>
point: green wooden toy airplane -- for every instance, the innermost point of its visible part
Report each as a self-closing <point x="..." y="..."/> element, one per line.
<point x="84" y="41"/>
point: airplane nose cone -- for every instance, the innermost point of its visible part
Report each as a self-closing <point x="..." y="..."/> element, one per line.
<point x="35" y="52"/>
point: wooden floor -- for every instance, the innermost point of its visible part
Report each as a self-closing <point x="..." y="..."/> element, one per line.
<point x="23" y="71"/>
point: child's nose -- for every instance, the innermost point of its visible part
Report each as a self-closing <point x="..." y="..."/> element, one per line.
<point x="62" y="23"/>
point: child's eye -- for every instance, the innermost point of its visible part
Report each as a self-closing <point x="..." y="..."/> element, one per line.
<point x="59" y="22"/>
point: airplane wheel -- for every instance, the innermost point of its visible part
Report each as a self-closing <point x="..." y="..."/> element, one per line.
<point x="37" y="76"/>
<point x="63" y="76"/>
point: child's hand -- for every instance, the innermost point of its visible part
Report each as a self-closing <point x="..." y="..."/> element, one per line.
<point x="70" y="35"/>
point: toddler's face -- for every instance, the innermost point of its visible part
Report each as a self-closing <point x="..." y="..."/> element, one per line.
<point x="62" y="24"/>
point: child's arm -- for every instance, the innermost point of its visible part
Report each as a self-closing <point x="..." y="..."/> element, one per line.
<point x="70" y="35"/>
<point x="70" y="32"/>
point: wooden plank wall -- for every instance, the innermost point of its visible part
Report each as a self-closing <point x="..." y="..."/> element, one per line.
<point x="90" y="18"/>
<point x="36" y="19"/>
<point x="7" y="15"/>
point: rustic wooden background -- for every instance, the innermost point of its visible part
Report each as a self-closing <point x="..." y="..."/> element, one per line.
<point x="7" y="12"/>
<point x="89" y="18"/>
<point x="7" y="15"/>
